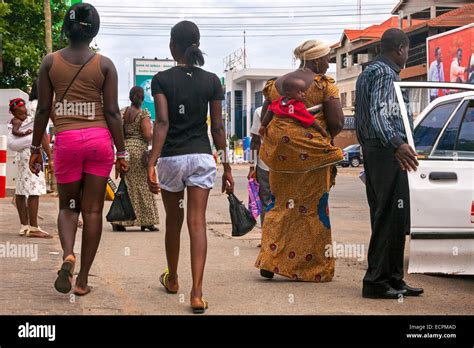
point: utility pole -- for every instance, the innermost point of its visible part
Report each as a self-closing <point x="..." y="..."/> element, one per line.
<point x="359" y="12"/>
<point x="47" y="26"/>
<point x="245" y="52"/>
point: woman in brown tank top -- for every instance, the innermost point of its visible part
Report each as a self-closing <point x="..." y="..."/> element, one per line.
<point x="87" y="118"/>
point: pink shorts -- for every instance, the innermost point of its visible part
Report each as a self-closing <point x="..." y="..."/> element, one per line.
<point x="88" y="150"/>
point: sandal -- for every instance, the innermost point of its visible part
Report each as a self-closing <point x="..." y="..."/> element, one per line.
<point x="151" y="228"/>
<point x="266" y="274"/>
<point x="37" y="232"/>
<point x="63" y="283"/>
<point x="24" y="230"/>
<point x="164" y="281"/>
<point x="200" y="308"/>
<point x="82" y="293"/>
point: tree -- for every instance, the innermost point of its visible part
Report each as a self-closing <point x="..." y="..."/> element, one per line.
<point x="23" y="29"/>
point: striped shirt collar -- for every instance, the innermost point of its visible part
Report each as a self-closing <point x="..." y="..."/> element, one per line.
<point x="389" y="62"/>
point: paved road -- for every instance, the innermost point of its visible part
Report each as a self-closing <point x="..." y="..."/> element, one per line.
<point x="125" y="274"/>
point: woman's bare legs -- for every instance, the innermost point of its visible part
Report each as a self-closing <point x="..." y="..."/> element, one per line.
<point x="196" y="219"/>
<point x="33" y="206"/>
<point x="20" y="202"/>
<point x="92" y="205"/>
<point x="69" y="208"/>
<point x="174" y="207"/>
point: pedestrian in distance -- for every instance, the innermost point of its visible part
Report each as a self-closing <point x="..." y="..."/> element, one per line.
<point x="138" y="131"/>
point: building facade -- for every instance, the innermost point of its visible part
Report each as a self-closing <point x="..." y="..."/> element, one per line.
<point x="243" y="95"/>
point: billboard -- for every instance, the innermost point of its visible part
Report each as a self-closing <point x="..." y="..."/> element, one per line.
<point x="143" y="72"/>
<point x="450" y="57"/>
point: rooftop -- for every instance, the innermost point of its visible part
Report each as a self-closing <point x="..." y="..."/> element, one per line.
<point x="374" y="31"/>
<point x="453" y="19"/>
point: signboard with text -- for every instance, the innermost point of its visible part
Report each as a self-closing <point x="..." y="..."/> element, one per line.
<point x="143" y="72"/>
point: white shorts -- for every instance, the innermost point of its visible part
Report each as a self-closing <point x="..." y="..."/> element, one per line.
<point x="177" y="172"/>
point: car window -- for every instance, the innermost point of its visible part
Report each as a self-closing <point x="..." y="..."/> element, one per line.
<point x="465" y="145"/>
<point x="428" y="129"/>
<point x="448" y="140"/>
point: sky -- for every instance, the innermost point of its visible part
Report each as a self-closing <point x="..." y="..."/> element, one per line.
<point x="136" y="29"/>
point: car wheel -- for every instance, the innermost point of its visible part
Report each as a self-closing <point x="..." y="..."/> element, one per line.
<point x="355" y="162"/>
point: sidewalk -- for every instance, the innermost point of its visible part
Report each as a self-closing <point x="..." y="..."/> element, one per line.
<point x="128" y="264"/>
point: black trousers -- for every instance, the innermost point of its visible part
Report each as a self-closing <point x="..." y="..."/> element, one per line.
<point x="389" y="200"/>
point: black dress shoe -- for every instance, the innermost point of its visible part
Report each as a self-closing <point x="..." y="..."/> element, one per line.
<point x="390" y="293"/>
<point x="410" y="291"/>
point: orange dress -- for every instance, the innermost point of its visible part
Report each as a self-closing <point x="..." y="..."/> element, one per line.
<point x="296" y="231"/>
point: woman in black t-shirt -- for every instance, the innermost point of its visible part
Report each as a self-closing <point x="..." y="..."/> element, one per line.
<point x="181" y="146"/>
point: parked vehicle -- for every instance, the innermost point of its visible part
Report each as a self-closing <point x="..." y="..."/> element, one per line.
<point x="442" y="189"/>
<point x="352" y="156"/>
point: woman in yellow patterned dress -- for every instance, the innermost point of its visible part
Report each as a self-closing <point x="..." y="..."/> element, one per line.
<point x="297" y="230"/>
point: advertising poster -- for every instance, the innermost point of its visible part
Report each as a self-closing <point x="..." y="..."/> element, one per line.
<point x="143" y="72"/>
<point x="451" y="57"/>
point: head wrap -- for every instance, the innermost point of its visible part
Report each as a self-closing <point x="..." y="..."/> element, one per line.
<point x="15" y="103"/>
<point x="311" y="50"/>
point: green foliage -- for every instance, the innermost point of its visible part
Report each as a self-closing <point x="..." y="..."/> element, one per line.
<point x="22" y="26"/>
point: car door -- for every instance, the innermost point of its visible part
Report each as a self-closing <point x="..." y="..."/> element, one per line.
<point x="441" y="191"/>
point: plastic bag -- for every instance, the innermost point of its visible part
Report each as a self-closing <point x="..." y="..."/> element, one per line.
<point x="242" y="219"/>
<point x="121" y="208"/>
<point x="255" y="204"/>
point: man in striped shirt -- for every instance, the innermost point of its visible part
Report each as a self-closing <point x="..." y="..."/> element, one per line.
<point x="387" y="157"/>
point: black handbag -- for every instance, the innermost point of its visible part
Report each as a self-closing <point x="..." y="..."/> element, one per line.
<point x="121" y="208"/>
<point x="242" y="219"/>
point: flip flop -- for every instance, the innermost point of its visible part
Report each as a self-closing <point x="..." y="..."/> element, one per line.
<point x="81" y="293"/>
<point x="164" y="281"/>
<point x="63" y="283"/>
<point x="200" y="309"/>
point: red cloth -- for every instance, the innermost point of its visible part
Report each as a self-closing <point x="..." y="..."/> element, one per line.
<point x="297" y="108"/>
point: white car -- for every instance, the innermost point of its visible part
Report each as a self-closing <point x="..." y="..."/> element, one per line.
<point x="442" y="189"/>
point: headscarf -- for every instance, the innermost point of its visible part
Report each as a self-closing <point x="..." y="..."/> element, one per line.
<point x="311" y="50"/>
<point x="15" y="103"/>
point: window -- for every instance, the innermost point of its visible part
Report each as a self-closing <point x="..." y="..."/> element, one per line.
<point x="355" y="59"/>
<point x="428" y="130"/>
<point x="448" y="140"/>
<point x="344" y="99"/>
<point x="353" y="98"/>
<point x="344" y="61"/>
<point x="465" y="145"/>
<point x="258" y="99"/>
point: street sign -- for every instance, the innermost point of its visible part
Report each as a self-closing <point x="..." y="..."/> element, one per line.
<point x="143" y="72"/>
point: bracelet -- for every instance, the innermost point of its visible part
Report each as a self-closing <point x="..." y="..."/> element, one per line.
<point x="35" y="149"/>
<point x="123" y="155"/>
